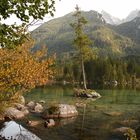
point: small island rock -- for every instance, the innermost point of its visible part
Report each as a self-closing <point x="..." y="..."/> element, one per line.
<point x="87" y="93"/>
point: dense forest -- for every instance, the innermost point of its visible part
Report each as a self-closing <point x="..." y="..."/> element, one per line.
<point x="102" y="71"/>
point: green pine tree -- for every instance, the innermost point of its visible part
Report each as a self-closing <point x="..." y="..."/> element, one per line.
<point x="81" y="41"/>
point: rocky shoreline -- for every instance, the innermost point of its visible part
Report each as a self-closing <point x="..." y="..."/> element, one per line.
<point x="20" y="110"/>
<point x="49" y="115"/>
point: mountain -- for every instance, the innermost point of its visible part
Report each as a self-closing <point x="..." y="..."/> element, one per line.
<point x="116" y="21"/>
<point x="111" y="43"/>
<point x="110" y="19"/>
<point x="58" y="36"/>
<point x="134" y="14"/>
<point x="130" y="29"/>
<point x="62" y="25"/>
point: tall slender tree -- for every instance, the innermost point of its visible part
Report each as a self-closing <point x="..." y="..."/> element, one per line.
<point x="81" y="41"/>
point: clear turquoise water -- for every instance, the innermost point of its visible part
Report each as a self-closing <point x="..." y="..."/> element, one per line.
<point x="91" y="123"/>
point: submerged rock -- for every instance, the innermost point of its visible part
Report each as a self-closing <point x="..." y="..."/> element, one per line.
<point x="100" y="107"/>
<point x="121" y="130"/>
<point x="33" y="123"/>
<point x="60" y="111"/>
<point x="35" y="107"/>
<point x="80" y="105"/>
<point x="65" y="121"/>
<point x="113" y="113"/>
<point x="127" y="131"/>
<point x="129" y="122"/>
<point x="88" y="93"/>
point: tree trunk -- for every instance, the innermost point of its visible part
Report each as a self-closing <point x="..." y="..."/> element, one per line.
<point x="83" y="73"/>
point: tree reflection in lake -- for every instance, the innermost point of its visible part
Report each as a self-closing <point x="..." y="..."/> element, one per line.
<point x="14" y="131"/>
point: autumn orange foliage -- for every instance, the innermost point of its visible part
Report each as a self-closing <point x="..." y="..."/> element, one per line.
<point x="22" y="69"/>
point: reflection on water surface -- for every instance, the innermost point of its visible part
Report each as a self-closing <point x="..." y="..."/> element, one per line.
<point x="96" y="120"/>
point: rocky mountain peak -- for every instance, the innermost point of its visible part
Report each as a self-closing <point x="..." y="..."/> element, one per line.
<point x="132" y="15"/>
<point x="110" y="19"/>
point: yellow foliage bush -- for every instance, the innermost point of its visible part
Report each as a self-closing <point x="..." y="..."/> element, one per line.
<point x="22" y="69"/>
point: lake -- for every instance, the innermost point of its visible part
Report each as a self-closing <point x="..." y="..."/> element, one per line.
<point x="96" y="120"/>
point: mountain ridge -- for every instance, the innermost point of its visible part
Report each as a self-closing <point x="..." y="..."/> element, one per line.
<point x="116" y="21"/>
<point x="110" y="19"/>
<point x="130" y="29"/>
<point x="58" y="35"/>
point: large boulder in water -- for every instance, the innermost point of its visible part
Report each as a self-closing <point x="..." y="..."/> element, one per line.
<point x="13" y="113"/>
<point x="38" y="108"/>
<point x="35" y="107"/>
<point x="60" y="111"/>
<point x="31" y="105"/>
<point x="22" y="108"/>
